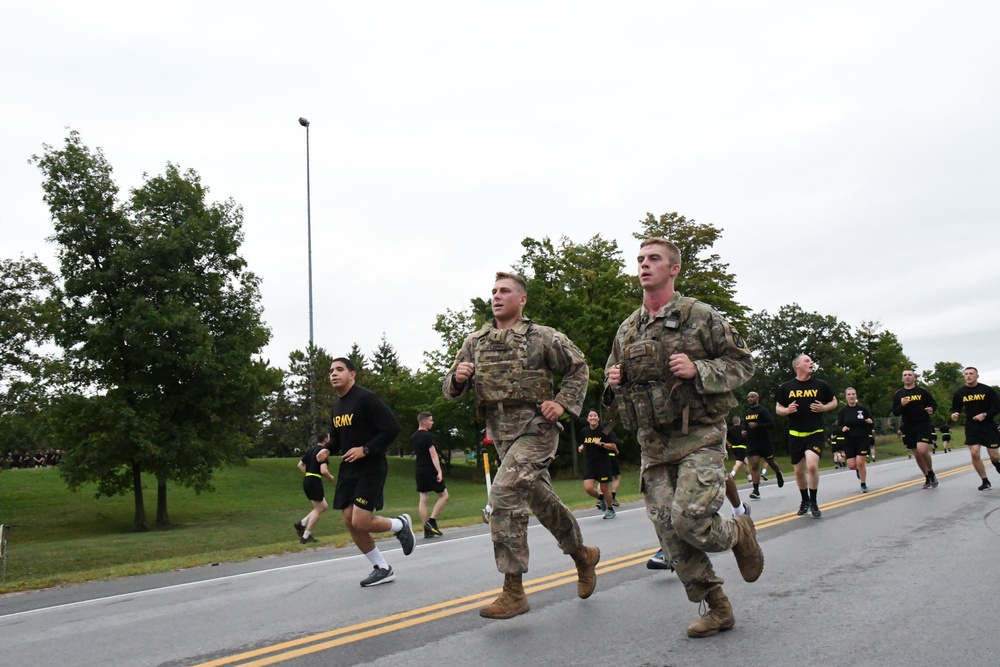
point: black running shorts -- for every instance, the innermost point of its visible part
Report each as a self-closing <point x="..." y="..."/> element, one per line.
<point x="799" y="444"/>
<point x="982" y="433"/>
<point x="854" y="447"/>
<point x="914" y="433"/>
<point x="364" y="492"/>
<point x="313" y="486"/>
<point x="427" y="481"/>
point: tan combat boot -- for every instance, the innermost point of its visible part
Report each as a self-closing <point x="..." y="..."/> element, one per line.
<point x="748" y="554"/>
<point x="718" y="618"/>
<point x="511" y="602"/>
<point x="586" y="559"/>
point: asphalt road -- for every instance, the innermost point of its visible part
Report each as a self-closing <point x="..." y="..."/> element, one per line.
<point x="900" y="575"/>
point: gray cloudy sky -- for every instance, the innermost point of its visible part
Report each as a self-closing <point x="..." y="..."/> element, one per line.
<point x="850" y="151"/>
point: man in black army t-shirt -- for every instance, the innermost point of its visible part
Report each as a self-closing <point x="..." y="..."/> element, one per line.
<point x="916" y="405"/>
<point x="981" y="405"/>
<point x="803" y="400"/>
<point x="757" y="423"/>
<point x="363" y="427"/>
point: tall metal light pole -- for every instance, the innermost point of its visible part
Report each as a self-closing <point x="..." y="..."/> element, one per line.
<point x="312" y="389"/>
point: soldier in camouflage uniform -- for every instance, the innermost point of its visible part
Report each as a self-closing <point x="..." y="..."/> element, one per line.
<point x="673" y="367"/>
<point x="508" y="366"/>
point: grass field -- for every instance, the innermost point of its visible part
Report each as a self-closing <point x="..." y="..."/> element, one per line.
<point x="56" y="536"/>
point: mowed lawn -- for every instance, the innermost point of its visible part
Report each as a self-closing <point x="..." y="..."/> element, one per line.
<point x="55" y="536"/>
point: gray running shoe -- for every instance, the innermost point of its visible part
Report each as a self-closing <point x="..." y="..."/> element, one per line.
<point x="405" y="536"/>
<point x="609" y="513"/>
<point x="378" y="576"/>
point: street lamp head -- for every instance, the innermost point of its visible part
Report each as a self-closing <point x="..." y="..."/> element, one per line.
<point x="303" y="122"/>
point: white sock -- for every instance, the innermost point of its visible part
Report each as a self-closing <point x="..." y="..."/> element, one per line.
<point x="397" y="525"/>
<point x="307" y="533"/>
<point x="375" y="558"/>
<point x="739" y="510"/>
<point x="305" y="520"/>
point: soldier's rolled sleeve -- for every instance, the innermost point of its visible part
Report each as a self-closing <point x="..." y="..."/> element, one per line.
<point x="730" y="364"/>
<point x="565" y="356"/>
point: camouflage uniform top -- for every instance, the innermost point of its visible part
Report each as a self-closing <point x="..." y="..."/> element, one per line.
<point x="513" y="375"/>
<point x="719" y="353"/>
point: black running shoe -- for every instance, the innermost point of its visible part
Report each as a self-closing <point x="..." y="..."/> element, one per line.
<point x="779" y="478"/>
<point x="405" y="536"/>
<point x="299" y="528"/>
<point x="814" y="510"/>
<point x="378" y="576"/>
<point x="601" y="505"/>
<point x="754" y="495"/>
<point x="307" y="540"/>
<point x="934" y="481"/>
<point x="803" y="508"/>
<point x="432" y="528"/>
<point x="985" y="485"/>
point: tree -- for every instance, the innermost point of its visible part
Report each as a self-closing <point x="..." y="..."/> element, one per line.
<point x="882" y="364"/>
<point x="25" y="314"/>
<point x="703" y="275"/>
<point x="161" y="327"/>
<point x="943" y="382"/>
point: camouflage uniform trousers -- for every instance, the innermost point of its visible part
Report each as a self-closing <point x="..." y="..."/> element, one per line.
<point x="683" y="500"/>
<point x="522" y="482"/>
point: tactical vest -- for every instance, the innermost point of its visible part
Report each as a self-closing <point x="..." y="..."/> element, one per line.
<point x="501" y="377"/>
<point x="649" y="395"/>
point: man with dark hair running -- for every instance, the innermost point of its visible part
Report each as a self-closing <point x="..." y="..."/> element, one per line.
<point x="803" y="400"/>
<point x="429" y="474"/>
<point x="363" y="427"/>
<point x="916" y="405"/>
<point x="757" y="425"/>
<point x="981" y="405"/>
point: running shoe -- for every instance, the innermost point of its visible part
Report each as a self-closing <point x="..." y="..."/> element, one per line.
<point x="609" y="513"/>
<point x="299" y="528"/>
<point x="405" y="536"/>
<point x="814" y="510"/>
<point x="927" y="483"/>
<point x="985" y="485"/>
<point x="615" y="503"/>
<point x="431" y="526"/>
<point x="601" y="505"/>
<point x="378" y="576"/>
<point x="658" y="562"/>
<point x="864" y="488"/>
<point x="307" y="540"/>
<point x="934" y="482"/>
<point x="781" y="480"/>
<point x="755" y="495"/>
<point x="486" y="513"/>
<point x="803" y="508"/>
<point x="763" y="476"/>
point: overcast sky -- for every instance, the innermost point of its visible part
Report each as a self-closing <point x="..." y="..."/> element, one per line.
<point x="850" y="151"/>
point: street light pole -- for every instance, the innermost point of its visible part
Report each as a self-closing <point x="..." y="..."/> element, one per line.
<point x="312" y="389"/>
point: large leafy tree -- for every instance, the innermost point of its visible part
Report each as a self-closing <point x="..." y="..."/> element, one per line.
<point x="25" y="313"/>
<point x="161" y="328"/>
<point x="703" y="275"/>
<point x="943" y="381"/>
<point x="882" y="363"/>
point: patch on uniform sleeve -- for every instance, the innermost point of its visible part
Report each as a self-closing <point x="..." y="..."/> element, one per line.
<point x="738" y="339"/>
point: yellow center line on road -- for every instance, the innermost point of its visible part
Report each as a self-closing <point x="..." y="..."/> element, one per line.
<point x="277" y="653"/>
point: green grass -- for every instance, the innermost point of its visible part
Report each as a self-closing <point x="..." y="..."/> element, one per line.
<point x="57" y="536"/>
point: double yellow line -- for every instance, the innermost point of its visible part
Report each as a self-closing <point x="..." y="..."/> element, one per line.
<point x="271" y="655"/>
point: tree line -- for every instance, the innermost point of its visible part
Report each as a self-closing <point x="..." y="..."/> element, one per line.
<point x="142" y="353"/>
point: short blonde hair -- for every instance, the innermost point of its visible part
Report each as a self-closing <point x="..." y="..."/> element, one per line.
<point x="507" y="275"/>
<point x="675" y="252"/>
